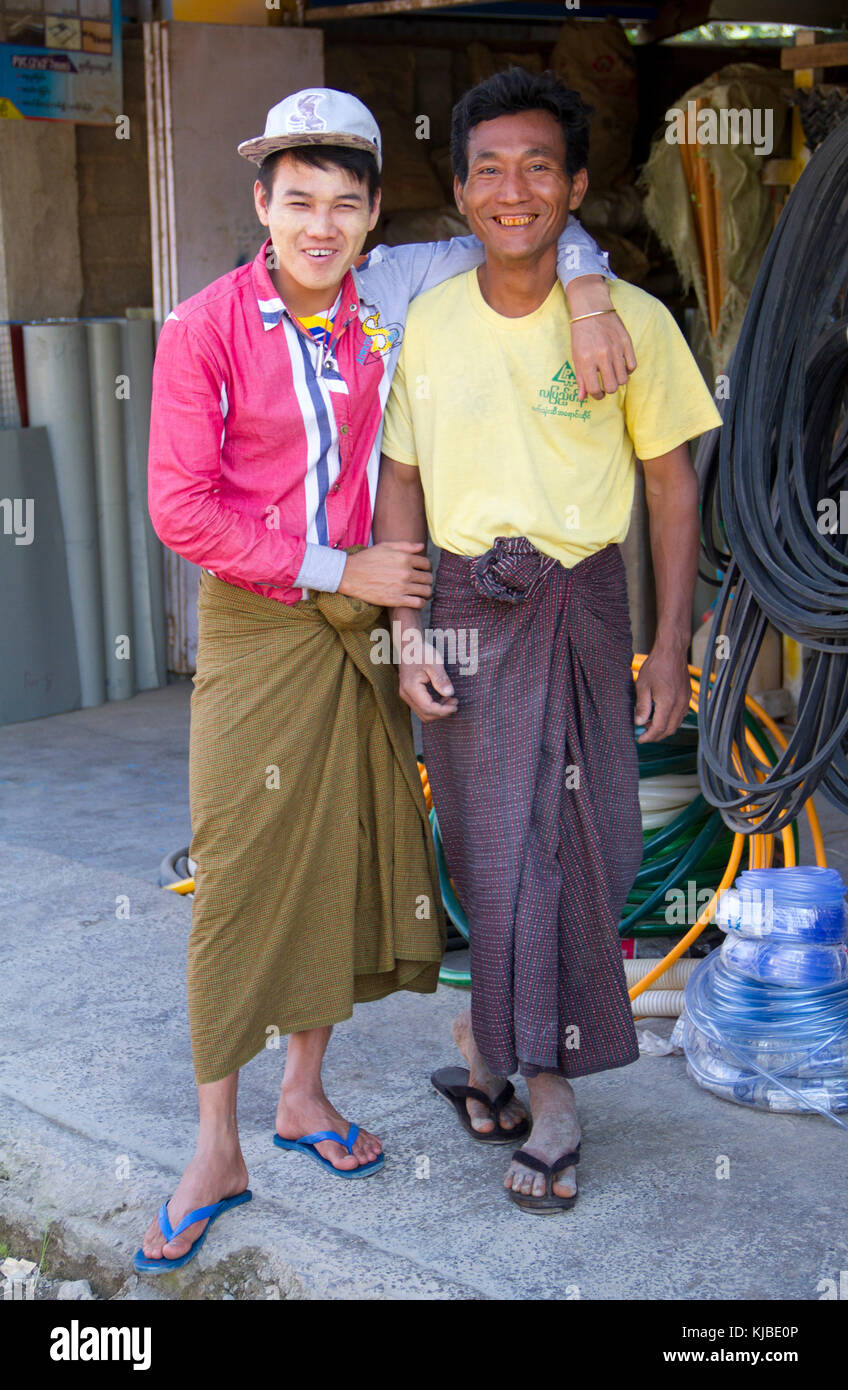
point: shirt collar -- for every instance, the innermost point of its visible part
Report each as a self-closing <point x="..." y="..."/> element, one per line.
<point x="361" y="278"/>
<point x="271" y="306"/>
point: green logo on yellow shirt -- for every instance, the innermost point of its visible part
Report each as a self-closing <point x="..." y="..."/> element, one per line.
<point x="560" y="398"/>
<point x="566" y="374"/>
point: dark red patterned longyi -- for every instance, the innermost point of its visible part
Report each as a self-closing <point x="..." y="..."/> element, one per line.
<point x="535" y="783"/>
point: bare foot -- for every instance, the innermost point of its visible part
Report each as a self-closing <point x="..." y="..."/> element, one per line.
<point x="306" y="1112"/>
<point x="556" y="1130"/>
<point x="212" y="1175"/>
<point x="480" y="1076"/>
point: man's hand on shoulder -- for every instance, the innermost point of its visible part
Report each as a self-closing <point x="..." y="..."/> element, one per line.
<point x="602" y="348"/>
<point x="394" y="574"/>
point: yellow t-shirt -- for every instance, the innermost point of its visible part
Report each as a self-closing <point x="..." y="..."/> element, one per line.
<point x="486" y="407"/>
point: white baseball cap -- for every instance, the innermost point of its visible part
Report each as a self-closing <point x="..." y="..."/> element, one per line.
<point x="316" y="116"/>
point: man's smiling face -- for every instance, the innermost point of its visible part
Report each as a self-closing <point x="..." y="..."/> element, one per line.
<point x="318" y="220"/>
<point x="518" y="196"/>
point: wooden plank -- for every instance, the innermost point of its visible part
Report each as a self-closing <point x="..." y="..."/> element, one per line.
<point x="827" y="55"/>
<point x="803" y="76"/>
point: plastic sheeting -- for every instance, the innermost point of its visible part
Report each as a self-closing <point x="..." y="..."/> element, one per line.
<point x="746" y="210"/>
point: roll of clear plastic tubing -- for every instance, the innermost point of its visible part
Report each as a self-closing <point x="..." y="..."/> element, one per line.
<point x="746" y="1018"/>
<point x="803" y="904"/>
<point x="780" y="962"/>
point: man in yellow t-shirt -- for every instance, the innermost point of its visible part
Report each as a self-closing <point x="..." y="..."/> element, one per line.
<point x="523" y="679"/>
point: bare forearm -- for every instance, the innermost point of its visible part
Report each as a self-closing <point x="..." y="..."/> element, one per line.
<point x="399" y="512"/>
<point x="588" y="293"/>
<point x="675" y="539"/>
<point x="400" y="515"/>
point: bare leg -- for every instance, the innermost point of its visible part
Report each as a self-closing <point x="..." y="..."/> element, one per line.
<point x="480" y="1076"/>
<point x="556" y="1130"/>
<point x="217" y="1169"/>
<point x="304" y="1108"/>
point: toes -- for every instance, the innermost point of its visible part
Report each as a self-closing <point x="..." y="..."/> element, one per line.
<point x="519" y="1178"/>
<point x="480" y="1118"/>
<point x="367" y="1147"/>
<point x="524" y="1180"/>
<point x="153" y="1242"/>
<point x="339" y="1157"/>
<point x="566" y="1183"/>
<point x="180" y="1245"/>
<point x="511" y="1116"/>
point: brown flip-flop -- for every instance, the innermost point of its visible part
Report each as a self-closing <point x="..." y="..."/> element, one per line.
<point x="550" y="1203"/>
<point x="452" y="1083"/>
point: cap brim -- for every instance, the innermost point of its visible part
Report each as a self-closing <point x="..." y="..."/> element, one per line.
<point x="259" y="149"/>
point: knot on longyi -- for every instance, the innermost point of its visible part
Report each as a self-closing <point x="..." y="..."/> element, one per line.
<point x="510" y="570"/>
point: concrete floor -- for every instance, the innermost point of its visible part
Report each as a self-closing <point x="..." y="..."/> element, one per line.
<point x="97" y="1108"/>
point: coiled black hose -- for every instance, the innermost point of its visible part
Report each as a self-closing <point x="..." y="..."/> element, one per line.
<point x="782" y="451"/>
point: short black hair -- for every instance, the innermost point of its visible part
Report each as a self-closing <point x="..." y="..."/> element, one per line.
<point x="513" y="90"/>
<point x="357" y="162"/>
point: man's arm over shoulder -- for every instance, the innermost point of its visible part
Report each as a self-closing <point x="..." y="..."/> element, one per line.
<point x="603" y="352"/>
<point x="420" y="266"/>
<point x="187" y="423"/>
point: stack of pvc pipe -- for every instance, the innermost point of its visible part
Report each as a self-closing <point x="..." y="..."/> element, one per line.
<point x="89" y="383"/>
<point x="663" y="798"/>
<point x="147" y="573"/>
<point x="667" y="1001"/>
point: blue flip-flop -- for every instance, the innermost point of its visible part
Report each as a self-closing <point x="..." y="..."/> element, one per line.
<point x="306" y="1145"/>
<point x="145" y="1264"/>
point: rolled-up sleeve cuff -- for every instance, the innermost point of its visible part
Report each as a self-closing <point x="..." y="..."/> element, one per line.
<point x="322" y="568"/>
<point x="589" y="262"/>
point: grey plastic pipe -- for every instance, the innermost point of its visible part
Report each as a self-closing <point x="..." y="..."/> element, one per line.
<point x="146" y="567"/>
<point x="56" y="361"/>
<point x="107" y="422"/>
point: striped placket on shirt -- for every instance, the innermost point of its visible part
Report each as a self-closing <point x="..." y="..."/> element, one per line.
<point x="314" y="396"/>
